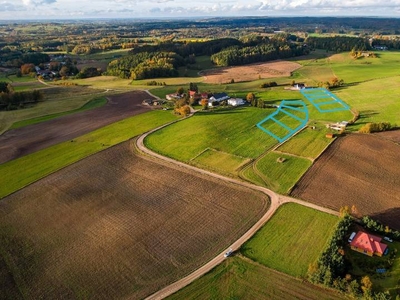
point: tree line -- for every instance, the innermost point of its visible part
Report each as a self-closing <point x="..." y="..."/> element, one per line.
<point x="260" y="49"/>
<point x="338" y="43"/>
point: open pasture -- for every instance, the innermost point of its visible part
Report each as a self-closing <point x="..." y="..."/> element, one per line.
<point x="280" y="176"/>
<point x="117" y="225"/>
<point x="241" y="278"/>
<point x="212" y="158"/>
<point x="307" y="143"/>
<point x="360" y="170"/>
<point x="230" y="130"/>
<point x="284" y="242"/>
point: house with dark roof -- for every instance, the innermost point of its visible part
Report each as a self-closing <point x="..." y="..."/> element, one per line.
<point x="218" y="97"/>
<point x="368" y="244"/>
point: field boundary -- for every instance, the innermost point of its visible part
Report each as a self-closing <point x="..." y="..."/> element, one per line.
<point x="317" y="97"/>
<point x="285" y="107"/>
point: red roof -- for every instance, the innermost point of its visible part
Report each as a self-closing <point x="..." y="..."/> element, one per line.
<point x="368" y="242"/>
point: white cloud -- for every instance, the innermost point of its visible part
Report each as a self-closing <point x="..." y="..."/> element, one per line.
<point x="38" y="2"/>
<point x="185" y="8"/>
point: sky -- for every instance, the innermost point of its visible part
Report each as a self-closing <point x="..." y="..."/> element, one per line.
<point x="80" y="9"/>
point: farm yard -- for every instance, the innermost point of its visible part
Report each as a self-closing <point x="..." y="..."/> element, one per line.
<point x="360" y="170"/>
<point x="133" y="224"/>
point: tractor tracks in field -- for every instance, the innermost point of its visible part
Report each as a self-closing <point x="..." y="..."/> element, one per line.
<point x="276" y="200"/>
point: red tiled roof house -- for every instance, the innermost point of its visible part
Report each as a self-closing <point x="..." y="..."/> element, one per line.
<point x="368" y="244"/>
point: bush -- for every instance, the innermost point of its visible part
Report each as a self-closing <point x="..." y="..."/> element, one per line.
<point x="268" y="84"/>
<point x="375" y="127"/>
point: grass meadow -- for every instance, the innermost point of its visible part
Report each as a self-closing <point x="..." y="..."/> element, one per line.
<point x="279" y="176"/>
<point x="241" y="278"/>
<point x="20" y="172"/>
<point x="291" y="240"/>
<point x="229" y="130"/>
<point x="307" y="143"/>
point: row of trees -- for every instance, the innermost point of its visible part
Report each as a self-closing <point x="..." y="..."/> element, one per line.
<point x="376" y="127"/>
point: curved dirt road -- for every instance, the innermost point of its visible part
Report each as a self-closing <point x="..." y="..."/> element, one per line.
<point x="276" y="201"/>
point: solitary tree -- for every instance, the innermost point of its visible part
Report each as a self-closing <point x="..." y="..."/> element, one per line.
<point x="250" y="97"/>
<point x="180" y="91"/>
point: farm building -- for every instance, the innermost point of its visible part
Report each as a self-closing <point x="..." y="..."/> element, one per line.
<point x="173" y="96"/>
<point x="368" y="244"/>
<point x="218" y="97"/>
<point x="236" y="101"/>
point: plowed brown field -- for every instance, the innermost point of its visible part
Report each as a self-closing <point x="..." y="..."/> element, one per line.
<point x="358" y="169"/>
<point x="250" y="72"/>
<point x="117" y="224"/>
<point x="22" y="141"/>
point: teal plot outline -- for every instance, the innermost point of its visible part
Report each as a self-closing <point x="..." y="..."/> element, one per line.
<point x="320" y="94"/>
<point x="286" y="106"/>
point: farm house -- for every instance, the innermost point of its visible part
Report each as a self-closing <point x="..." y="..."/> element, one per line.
<point x="368" y="244"/>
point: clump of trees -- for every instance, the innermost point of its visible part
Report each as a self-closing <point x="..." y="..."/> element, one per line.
<point x="331" y="84"/>
<point x="146" y="65"/>
<point x="88" y="72"/>
<point x="375" y="127"/>
<point x="10" y="100"/>
<point x="268" y="84"/>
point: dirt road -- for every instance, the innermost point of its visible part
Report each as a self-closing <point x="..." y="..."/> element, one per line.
<point x="276" y="201"/>
<point x="22" y="141"/>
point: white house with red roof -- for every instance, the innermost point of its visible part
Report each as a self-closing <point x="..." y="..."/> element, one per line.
<point x="368" y="244"/>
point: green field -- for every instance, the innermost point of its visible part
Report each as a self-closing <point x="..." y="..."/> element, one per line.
<point x="307" y="143"/>
<point x="291" y="240"/>
<point x="211" y="158"/>
<point x="231" y="130"/>
<point x="20" y="172"/>
<point x="280" y="176"/>
<point x="241" y="278"/>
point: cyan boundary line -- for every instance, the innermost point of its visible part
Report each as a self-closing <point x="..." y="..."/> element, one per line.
<point x="343" y="105"/>
<point x="284" y="104"/>
<point x="281" y="124"/>
<point x="292" y="115"/>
